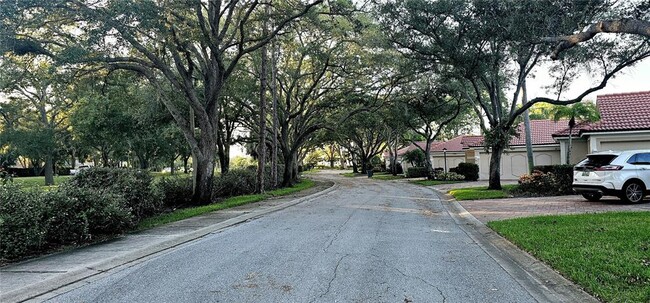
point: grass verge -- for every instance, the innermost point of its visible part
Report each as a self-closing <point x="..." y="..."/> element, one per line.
<point x="386" y="176"/>
<point x="434" y="182"/>
<point x="38" y="181"/>
<point x="185" y="213"/>
<point x="607" y="254"/>
<point x="479" y="193"/>
<point x="352" y="175"/>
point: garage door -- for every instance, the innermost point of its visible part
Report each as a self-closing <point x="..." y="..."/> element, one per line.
<point x="622" y="145"/>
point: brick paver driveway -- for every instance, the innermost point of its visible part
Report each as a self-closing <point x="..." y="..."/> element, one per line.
<point x="499" y="209"/>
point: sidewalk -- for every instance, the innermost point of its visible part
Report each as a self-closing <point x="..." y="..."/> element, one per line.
<point x="499" y="209"/>
<point x="29" y="279"/>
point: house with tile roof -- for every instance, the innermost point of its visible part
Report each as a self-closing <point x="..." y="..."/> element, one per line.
<point x="624" y="125"/>
<point x="454" y="150"/>
<point x="514" y="161"/>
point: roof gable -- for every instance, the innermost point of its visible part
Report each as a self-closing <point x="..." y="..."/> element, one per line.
<point x="618" y="112"/>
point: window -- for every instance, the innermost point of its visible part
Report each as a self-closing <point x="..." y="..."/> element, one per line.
<point x="597" y="160"/>
<point x="640" y="159"/>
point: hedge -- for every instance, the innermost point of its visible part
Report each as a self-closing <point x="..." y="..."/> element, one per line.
<point x="563" y="176"/>
<point x="468" y="170"/>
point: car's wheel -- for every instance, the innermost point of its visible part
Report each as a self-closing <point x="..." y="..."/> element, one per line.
<point x="593" y="197"/>
<point x="633" y="192"/>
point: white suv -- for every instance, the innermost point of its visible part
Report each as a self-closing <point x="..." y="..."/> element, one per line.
<point x="625" y="174"/>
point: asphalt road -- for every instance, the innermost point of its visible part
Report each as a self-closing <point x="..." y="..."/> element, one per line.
<point x="367" y="241"/>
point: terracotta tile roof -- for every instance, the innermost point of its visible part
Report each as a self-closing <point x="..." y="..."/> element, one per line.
<point x="452" y="145"/>
<point x="472" y="141"/>
<point x="541" y="133"/>
<point x="618" y="112"/>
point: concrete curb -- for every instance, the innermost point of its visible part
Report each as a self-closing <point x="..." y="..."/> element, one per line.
<point x="76" y="275"/>
<point x="540" y="280"/>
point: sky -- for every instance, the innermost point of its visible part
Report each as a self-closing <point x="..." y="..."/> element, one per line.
<point x="630" y="79"/>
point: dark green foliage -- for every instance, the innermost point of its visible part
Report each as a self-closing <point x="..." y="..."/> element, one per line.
<point x="21" y="217"/>
<point x="563" y="175"/>
<point x="469" y="170"/>
<point x="233" y="183"/>
<point x="176" y="192"/>
<point x="398" y="168"/>
<point x="75" y="215"/>
<point x="415" y="157"/>
<point x="417" y="172"/>
<point x="135" y="186"/>
<point x="33" y="220"/>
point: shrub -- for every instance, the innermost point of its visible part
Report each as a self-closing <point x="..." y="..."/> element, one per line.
<point x="468" y="170"/>
<point x="175" y="191"/>
<point x="77" y="214"/>
<point x="21" y="222"/>
<point x="450" y="176"/>
<point x="538" y="183"/>
<point x="234" y="183"/>
<point x="135" y="186"/>
<point x="563" y="174"/>
<point x="398" y="168"/>
<point x="416" y="172"/>
<point x="415" y="156"/>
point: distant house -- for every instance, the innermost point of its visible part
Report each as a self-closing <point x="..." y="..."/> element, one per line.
<point x="514" y="161"/>
<point x="624" y="125"/>
<point x="453" y="150"/>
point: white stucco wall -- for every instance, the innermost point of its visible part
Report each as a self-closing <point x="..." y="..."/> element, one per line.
<point x="514" y="162"/>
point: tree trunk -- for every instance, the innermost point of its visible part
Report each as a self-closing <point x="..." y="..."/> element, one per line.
<point x="49" y="170"/>
<point x="261" y="148"/>
<point x="495" y="165"/>
<point x="290" y="169"/>
<point x="393" y="157"/>
<point x="185" y="160"/>
<point x="223" y="153"/>
<point x="172" y="167"/>
<point x="203" y="175"/>
<point x="529" y="140"/>
<point x="568" y="152"/>
<point x="332" y="163"/>
<point x="427" y="160"/>
<point x="274" y="92"/>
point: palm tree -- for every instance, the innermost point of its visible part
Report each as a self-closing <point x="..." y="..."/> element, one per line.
<point x="582" y="111"/>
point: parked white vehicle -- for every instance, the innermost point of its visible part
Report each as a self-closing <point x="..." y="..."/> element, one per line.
<point x="625" y="174"/>
<point x="78" y="169"/>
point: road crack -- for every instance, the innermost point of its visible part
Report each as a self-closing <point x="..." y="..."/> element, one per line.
<point x="338" y="231"/>
<point x="329" y="284"/>
<point x="444" y="298"/>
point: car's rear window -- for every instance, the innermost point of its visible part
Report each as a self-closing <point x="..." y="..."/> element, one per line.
<point x="597" y="160"/>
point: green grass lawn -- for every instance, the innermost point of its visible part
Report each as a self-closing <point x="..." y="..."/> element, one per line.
<point x="185" y="213"/>
<point x="607" y="254"/>
<point x="38" y="181"/>
<point x="387" y="176"/>
<point x="352" y="175"/>
<point x="434" y="182"/>
<point x="479" y="193"/>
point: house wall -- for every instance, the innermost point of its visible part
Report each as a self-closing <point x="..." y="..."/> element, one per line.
<point x="453" y="159"/>
<point x="579" y="150"/>
<point x="514" y="161"/>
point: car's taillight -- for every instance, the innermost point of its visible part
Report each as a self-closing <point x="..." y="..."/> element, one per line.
<point x="609" y="167"/>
